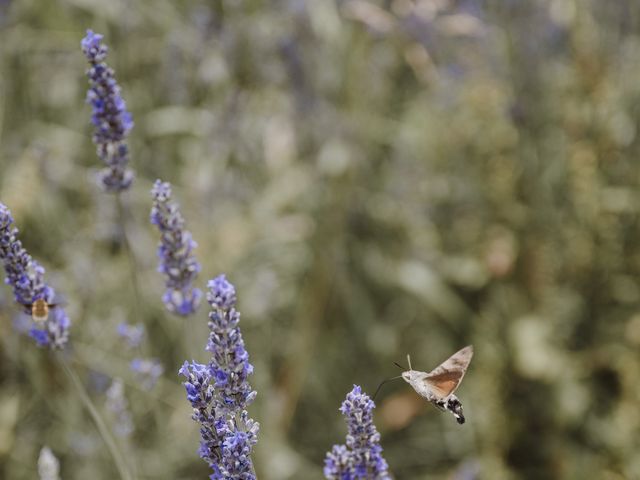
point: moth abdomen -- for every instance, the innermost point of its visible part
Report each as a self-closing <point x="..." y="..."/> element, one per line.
<point x="455" y="406"/>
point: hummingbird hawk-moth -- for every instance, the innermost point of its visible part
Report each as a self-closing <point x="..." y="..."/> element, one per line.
<point x="438" y="385"/>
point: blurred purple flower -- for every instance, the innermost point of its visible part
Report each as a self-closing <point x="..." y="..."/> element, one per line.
<point x="177" y="262"/>
<point x="219" y="392"/>
<point x="118" y="406"/>
<point x="147" y="371"/>
<point x="361" y="457"/>
<point x="112" y="122"/>
<point x="26" y="277"/>
<point x="133" y="335"/>
<point x="468" y="470"/>
<point x="22" y="323"/>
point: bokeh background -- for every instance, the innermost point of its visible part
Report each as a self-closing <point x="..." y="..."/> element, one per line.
<point x="377" y="178"/>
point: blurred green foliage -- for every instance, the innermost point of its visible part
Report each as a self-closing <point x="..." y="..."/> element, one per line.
<point x="377" y="178"/>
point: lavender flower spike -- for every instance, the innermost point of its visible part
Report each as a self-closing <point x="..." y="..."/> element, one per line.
<point x="175" y="252"/>
<point x="219" y="392"/>
<point x="26" y="277"/>
<point x="361" y="457"/>
<point x="110" y="117"/>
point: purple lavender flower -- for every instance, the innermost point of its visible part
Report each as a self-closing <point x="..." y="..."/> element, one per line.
<point x="361" y="457"/>
<point x="133" y="335"/>
<point x="200" y="395"/>
<point x="175" y="252"/>
<point x="219" y="392"/>
<point x="147" y="371"/>
<point x="229" y="359"/>
<point x="110" y="117"/>
<point x="118" y="408"/>
<point x="26" y="277"/>
<point x="22" y="323"/>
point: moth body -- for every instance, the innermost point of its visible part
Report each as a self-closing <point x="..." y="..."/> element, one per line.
<point x="417" y="380"/>
<point x="438" y="385"/>
<point x="453" y="405"/>
<point x="40" y="310"/>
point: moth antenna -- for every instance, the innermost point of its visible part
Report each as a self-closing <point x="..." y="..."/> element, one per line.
<point x="399" y="366"/>
<point x="382" y="383"/>
<point x="409" y="361"/>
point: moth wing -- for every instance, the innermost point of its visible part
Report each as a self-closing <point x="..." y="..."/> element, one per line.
<point x="445" y="378"/>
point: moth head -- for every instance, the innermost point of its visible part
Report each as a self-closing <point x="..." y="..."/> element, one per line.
<point x="408" y="376"/>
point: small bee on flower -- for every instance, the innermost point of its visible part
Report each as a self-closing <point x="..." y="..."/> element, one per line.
<point x="39" y="309"/>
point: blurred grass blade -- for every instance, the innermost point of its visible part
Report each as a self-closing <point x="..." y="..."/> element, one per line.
<point x="118" y="458"/>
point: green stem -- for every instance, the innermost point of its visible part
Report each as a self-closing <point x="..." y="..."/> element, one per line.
<point x="122" y="220"/>
<point x="118" y="459"/>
